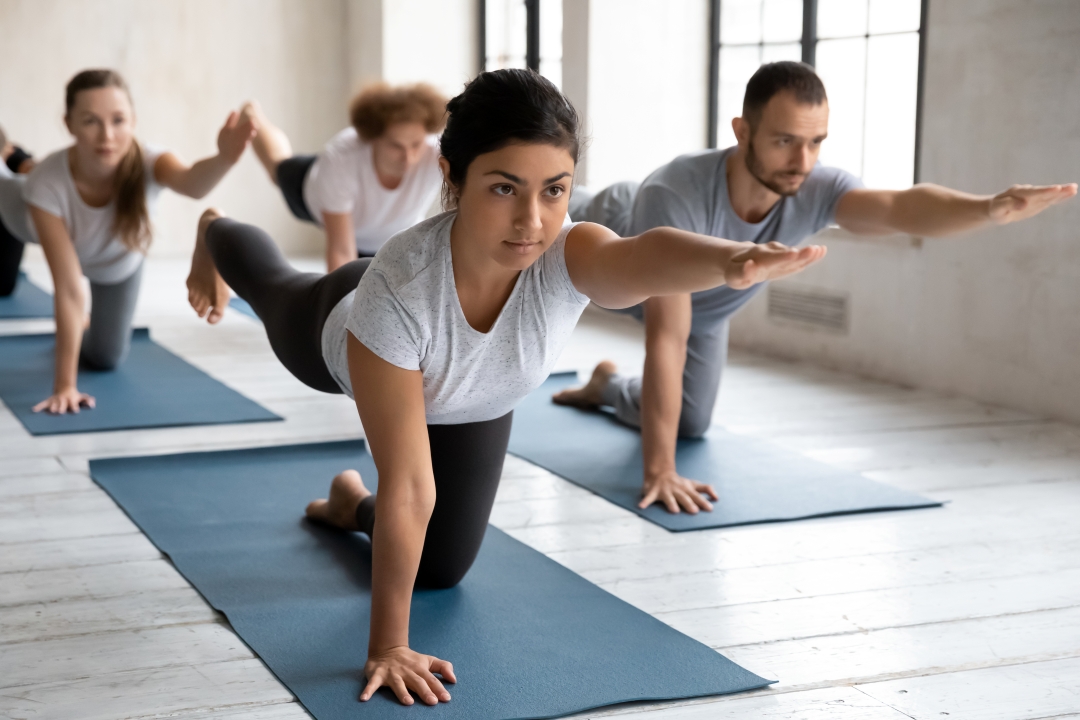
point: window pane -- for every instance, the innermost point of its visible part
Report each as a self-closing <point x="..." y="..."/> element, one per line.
<point x="842" y="67"/>
<point x="551" y="40"/>
<point x="775" y="53"/>
<point x="740" y="21"/>
<point x="737" y="64"/>
<point x="781" y="20"/>
<point x="889" y="16"/>
<point x="841" y="18"/>
<point x="892" y="70"/>
<point x="505" y="30"/>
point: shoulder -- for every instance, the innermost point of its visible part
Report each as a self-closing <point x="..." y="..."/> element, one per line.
<point x="47" y="183"/>
<point x="49" y="169"/>
<point x="687" y="169"/>
<point x="413" y="250"/>
<point x="345" y="142"/>
<point x="826" y="184"/>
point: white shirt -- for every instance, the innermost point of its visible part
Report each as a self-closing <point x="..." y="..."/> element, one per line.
<point x="343" y="180"/>
<point x="406" y="310"/>
<point x="104" y="258"/>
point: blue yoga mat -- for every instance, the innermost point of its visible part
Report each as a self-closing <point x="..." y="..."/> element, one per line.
<point x="28" y="301"/>
<point x="241" y="305"/>
<point x="757" y="481"/>
<point x="153" y="388"/>
<point x="527" y="637"/>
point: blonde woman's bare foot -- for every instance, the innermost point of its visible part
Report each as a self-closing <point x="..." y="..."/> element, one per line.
<point x="346" y="492"/>
<point x="589" y="394"/>
<point x="207" y="292"/>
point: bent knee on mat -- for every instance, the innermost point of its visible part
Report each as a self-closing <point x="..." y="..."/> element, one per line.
<point x="442" y="578"/>
<point x="694" y="425"/>
<point x="102" y="360"/>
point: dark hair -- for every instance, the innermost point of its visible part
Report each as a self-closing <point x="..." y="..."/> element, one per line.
<point x="380" y="105"/>
<point x="132" y="219"/>
<point x="498" y="108"/>
<point x="773" y="78"/>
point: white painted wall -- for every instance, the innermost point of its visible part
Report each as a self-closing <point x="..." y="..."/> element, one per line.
<point x="646" y="82"/>
<point x="188" y="63"/>
<point x="996" y="315"/>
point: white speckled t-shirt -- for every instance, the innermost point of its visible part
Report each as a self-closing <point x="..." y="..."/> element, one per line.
<point x="406" y="311"/>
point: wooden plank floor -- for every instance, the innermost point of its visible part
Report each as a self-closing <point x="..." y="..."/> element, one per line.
<point x="970" y="611"/>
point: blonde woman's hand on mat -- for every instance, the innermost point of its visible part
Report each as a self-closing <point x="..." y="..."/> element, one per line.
<point x="1021" y="202"/>
<point x="65" y="400"/>
<point x="677" y="493"/>
<point x="404" y="670"/>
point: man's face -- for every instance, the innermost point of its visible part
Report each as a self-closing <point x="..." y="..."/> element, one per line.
<point x="781" y="151"/>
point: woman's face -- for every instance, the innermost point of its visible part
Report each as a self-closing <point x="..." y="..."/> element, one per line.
<point x="103" y="123"/>
<point x="514" y="201"/>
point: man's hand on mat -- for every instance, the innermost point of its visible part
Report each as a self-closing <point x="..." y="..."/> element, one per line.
<point x="675" y="492"/>
<point x="402" y="670"/>
<point x="68" y="400"/>
<point x="1023" y="201"/>
<point x="769" y="261"/>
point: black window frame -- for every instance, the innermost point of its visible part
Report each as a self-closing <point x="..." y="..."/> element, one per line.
<point x="532" y="35"/>
<point x="809" y="42"/>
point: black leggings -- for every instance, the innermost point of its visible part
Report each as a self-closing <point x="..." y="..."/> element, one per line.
<point x="466" y="459"/>
<point x="11" y="252"/>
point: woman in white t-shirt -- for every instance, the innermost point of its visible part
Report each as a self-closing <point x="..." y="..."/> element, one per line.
<point x="90" y="207"/>
<point x="451" y="325"/>
<point x="372" y="180"/>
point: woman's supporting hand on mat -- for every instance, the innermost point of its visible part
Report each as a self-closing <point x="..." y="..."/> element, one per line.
<point x="676" y="493"/>
<point x="403" y="670"/>
<point x="65" y="400"/>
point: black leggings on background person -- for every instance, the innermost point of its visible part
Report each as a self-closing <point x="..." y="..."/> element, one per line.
<point x="466" y="459"/>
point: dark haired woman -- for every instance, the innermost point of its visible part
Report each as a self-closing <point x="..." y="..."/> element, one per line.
<point x="449" y="327"/>
<point x="373" y="179"/>
<point x="90" y="206"/>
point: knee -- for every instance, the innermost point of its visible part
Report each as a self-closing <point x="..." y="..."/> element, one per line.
<point x="440" y="578"/>
<point x="694" y="422"/>
<point x="108" y="359"/>
<point x="7" y="287"/>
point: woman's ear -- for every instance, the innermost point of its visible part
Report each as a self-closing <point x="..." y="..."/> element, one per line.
<point x="450" y="191"/>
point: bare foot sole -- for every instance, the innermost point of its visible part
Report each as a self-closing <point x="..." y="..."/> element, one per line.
<point x="207" y="292"/>
<point x="589" y="394"/>
<point x="346" y="492"/>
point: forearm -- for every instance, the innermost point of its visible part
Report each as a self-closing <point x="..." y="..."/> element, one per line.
<point x="69" y="308"/>
<point x="199" y="179"/>
<point x="403" y="510"/>
<point x="661" y="404"/>
<point x="933" y="210"/>
<point x="337" y="256"/>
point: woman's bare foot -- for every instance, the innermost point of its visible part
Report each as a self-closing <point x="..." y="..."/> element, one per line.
<point x="270" y="143"/>
<point x="207" y="292"/>
<point x="588" y="395"/>
<point x="346" y="492"/>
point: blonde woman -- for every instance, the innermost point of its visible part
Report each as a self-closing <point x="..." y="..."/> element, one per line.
<point x="90" y="207"/>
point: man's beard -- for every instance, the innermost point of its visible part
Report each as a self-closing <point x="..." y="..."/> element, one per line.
<point x="753" y="164"/>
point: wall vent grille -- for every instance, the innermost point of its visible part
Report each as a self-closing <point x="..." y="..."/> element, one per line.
<point x="809" y="306"/>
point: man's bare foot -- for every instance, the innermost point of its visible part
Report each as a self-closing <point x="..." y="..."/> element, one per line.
<point x="589" y="394"/>
<point x="207" y="292"/>
<point x="346" y="492"/>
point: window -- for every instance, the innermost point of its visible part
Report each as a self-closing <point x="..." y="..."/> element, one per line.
<point x="522" y="33"/>
<point x="867" y="54"/>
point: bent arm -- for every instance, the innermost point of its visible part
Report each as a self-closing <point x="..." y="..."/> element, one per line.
<point x="197" y="180"/>
<point x="391" y="405"/>
<point x="619" y="272"/>
<point x="69" y="299"/>
<point x="340" y="240"/>
<point x="935" y="211"/>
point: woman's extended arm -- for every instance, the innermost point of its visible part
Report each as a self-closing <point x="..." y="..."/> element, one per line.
<point x="619" y="272"/>
<point x="70" y="309"/>
<point x="391" y="405"/>
<point x="340" y="241"/>
<point x="199" y="179"/>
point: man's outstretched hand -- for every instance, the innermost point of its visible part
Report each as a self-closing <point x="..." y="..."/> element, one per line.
<point x="1023" y="201"/>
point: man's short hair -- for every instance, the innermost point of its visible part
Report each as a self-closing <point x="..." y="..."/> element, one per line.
<point x="773" y="78"/>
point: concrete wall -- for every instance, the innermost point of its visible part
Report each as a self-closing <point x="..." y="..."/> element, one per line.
<point x="996" y="315"/>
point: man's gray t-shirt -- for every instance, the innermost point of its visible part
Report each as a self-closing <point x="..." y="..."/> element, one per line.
<point x="406" y="311"/>
<point x="691" y="193"/>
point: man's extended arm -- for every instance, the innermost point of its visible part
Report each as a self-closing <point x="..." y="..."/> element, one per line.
<point x="933" y="210"/>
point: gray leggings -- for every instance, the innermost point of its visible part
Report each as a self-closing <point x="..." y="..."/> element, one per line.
<point x="706" y="355"/>
<point x="106" y="342"/>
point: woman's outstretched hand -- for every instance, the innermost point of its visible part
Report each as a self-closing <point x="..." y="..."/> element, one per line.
<point x="234" y="136"/>
<point x="769" y="261"/>
<point x="402" y="670"/>
<point x="69" y="400"/>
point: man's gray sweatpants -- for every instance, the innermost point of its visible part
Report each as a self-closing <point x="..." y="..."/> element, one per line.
<point x="706" y="355"/>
